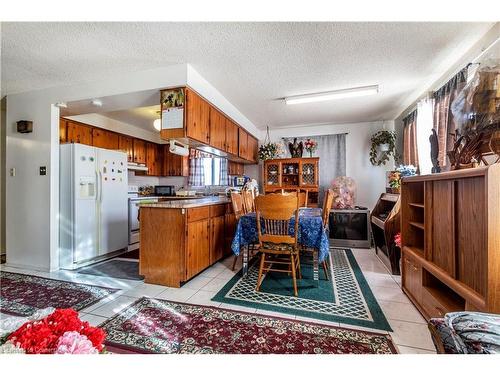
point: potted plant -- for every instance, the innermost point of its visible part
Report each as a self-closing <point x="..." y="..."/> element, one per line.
<point x="383" y="141"/>
<point x="270" y="150"/>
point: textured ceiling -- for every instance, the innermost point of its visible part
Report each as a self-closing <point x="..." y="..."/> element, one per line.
<point x="253" y="65"/>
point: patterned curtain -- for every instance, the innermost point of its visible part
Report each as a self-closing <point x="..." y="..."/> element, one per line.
<point x="223" y="173"/>
<point x="196" y="173"/>
<point x="443" y="119"/>
<point x="410" y="154"/>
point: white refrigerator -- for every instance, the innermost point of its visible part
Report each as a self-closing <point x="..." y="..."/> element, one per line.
<point x="93" y="204"/>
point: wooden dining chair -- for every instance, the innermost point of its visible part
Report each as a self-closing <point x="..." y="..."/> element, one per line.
<point x="277" y="246"/>
<point x="303" y="195"/>
<point x="248" y="201"/>
<point x="325" y="215"/>
<point x="237" y="201"/>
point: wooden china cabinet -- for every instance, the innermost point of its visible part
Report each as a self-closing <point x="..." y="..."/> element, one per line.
<point x="292" y="174"/>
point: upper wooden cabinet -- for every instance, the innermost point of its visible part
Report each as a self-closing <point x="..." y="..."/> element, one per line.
<point x="78" y="133"/>
<point x="139" y="150"/>
<point x="243" y="144"/>
<point x="197" y="117"/>
<point x="174" y="165"/>
<point x="252" y="149"/>
<point x="204" y="123"/>
<point x="235" y="169"/>
<point x="231" y="137"/>
<point x="217" y="129"/>
<point x="154" y="159"/>
<point x="126" y="144"/>
<point x="63" y="130"/>
<point x="105" y="139"/>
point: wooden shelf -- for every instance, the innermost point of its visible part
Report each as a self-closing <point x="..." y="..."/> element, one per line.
<point x="419" y="205"/>
<point x="415" y="251"/>
<point x="417" y="225"/>
<point x="378" y="222"/>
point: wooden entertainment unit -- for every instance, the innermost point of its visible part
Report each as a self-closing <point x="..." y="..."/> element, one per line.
<point x="450" y="226"/>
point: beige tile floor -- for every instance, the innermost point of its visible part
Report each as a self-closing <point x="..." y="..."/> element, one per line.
<point x="409" y="328"/>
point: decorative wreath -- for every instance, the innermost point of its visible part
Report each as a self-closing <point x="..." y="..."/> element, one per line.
<point x="380" y="138"/>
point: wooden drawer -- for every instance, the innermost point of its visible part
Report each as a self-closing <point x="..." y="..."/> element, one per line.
<point x="198" y="213"/>
<point x="431" y="305"/>
<point x="217" y="210"/>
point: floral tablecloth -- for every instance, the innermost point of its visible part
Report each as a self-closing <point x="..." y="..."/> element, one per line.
<point x="311" y="231"/>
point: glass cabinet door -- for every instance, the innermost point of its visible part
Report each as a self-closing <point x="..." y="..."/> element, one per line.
<point x="272" y="174"/>
<point x="309" y="173"/>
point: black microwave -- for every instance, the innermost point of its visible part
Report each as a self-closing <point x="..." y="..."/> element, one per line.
<point x="164" y="190"/>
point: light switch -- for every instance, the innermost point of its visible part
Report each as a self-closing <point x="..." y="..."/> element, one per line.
<point x="13" y="172"/>
<point x="43" y="170"/>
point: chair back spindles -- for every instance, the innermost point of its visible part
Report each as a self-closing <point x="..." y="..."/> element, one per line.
<point x="274" y="212"/>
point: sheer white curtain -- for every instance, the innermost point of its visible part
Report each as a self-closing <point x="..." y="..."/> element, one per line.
<point x="425" y="120"/>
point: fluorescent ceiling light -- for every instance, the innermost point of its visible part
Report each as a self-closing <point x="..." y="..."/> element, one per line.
<point x="331" y="95"/>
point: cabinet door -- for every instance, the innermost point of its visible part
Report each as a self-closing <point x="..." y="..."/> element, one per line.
<point x="217" y="238"/>
<point x="231" y="137"/>
<point x="412" y="278"/>
<point x="78" y="133"/>
<point x="126" y="144"/>
<point x="174" y="165"/>
<point x="63" y="131"/>
<point x="139" y="150"/>
<point x="153" y="159"/>
<point x="243" y="144"/>
<point x="217" y="129"/>
<point x="105" y="139"/>
<point x="197" y="117"/>
<point x="252" y="149"/>
<point x="197" y="247"/>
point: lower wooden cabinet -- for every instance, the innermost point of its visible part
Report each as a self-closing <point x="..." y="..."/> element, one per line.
<point x="217" y="238"/>
<point x="197" y="247"/>
<point x="412" y="277"/>
<point x="177" y="244"/>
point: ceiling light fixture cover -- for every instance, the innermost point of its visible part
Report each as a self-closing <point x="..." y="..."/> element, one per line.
<point x="331" y="95"/>
<point x="157" y="124"/>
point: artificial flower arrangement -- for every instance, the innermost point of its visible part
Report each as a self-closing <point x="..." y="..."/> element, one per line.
<point x="61" y="332"/>
<point x="271" y="150"/>
<point x="401" y="171"/>
<point x="310" y="145"/>
<point x="344" y="193"/>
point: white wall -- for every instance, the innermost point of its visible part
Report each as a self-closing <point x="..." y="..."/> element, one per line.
<point x="32" y="201"/>
<point x="370" y="180"/>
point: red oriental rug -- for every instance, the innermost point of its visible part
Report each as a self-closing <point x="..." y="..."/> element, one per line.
<point x="22" y="294"/>
<point x="157" y="326"/>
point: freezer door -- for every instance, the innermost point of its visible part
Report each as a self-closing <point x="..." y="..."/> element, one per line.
<point x="85" y="235"/>
<point x="112" y="200"/>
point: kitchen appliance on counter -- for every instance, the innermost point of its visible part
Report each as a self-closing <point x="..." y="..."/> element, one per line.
<point x="164" y="190"/>
<point x="92" y="204"/>
<point x="134" y="203"/>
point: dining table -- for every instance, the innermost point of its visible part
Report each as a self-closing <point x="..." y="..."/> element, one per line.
<point x="312" y="235"/>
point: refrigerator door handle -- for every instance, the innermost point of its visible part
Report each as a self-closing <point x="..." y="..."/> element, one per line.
<point x="99" y="187"/>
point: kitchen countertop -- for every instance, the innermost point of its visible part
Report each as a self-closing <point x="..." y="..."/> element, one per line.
<point x="189" y="203"/>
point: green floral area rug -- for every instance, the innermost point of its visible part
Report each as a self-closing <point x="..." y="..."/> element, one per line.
<point x="344" y="298"/>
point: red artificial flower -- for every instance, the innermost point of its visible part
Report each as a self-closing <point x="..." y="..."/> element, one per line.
<point x="41" y="337"/>
<point x="397" y="240"/>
